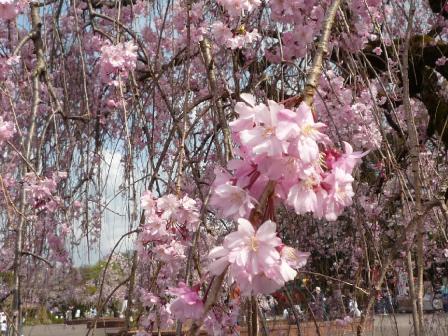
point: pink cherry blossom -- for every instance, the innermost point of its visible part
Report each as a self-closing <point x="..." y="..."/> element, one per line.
<point x="118" y="58"/>
<point x="348" y="160"/>
<point x="168" y="205"/>
<point x="340" y="195"/>
<point x="9" y="9"/>
<point x="241" y="40"/>
<point x="187" y="214"/>
<point x="377" y="51"/>
<point x="232" y="201"/>
<point x="148" y="203"/>
<point x="249" y="250"/>
<point x="236" y="7"/>
<point x="306" y="195"/>
<point x="263" y="137"/>
<point x="148" y="298"/>
<point x="308" y="135"/>
<point x="171" y="252"/>
<point x="154" y="229"/>
<point x="253" y="250"/>
<point x="293" y="257"/>
<point x="7" y="130"/>
<point x="247" y="109"/>
<point x="187" y="304"/>
<point x="253" y="258"/>
<point x="221" y="32"/>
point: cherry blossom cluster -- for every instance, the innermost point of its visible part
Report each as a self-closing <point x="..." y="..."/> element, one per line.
<point x="257" y="260"/>
<point x="41" y="191"/>
<point x="165" y="235"/>
<point x="187" y="303"/>
<point x="238" y="7"/>
<point x="224" y="36"/>
<point x="348" y="114"/>
<point x="7" y="65"/>
<point x="117" y="59"/>
<point x="167" y="217"/>
<point x="7" y="130"/>
<point x="298" y="22"/>
<point x="364" y="14"/>
<point x="223" y="321"/>
<point x="9" y="9"/>
<point x="56" y="243"/>
<point x="420" y="114"/>
<point x="278" y="144"/>
<point x="159" y="316"/>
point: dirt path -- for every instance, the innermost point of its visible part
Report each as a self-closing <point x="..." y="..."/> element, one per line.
<point x="60" y="330"/>
<point x="384" y="326"/>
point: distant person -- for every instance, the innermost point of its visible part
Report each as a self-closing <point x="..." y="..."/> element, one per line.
<point x="444" y="291"/>
<point x="319" y="305"/>
<point x="353" y="307"/>
<point x="124" y="307"/>
<point x="68" y="315"/>
<point x="271" y="304"/>
<point x="4" y="327"/>
<point x="299" y="311"/>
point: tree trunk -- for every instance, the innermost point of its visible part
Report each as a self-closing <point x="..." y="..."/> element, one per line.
<point x="414" y="158"/>
<point x="412" y="294"/>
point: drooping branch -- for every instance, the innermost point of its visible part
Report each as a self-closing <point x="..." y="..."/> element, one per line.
<point x="401" y="245"/>
<point x="362" y="290"/>
<point x="257" y="214"/>
<point x="322" y="50"/>
<point x="34" y="255"/>
<point x="217" y="103"/>
<point x="39" y="68"/>
<point x="414" y="151"/>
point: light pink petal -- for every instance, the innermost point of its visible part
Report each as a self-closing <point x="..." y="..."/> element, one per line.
<point x="287" y="130"/>
<point x="287" y="272"/>
<point x="218" y="266"/>
<point x="267" y="231"/>
<point x="218" y="252"/>
<point x="308" y="150"/>
<point x="248" y="98"/>
<point x="245" y="227"/>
